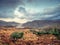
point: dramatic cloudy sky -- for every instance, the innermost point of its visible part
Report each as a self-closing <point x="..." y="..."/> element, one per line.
<point x="22" y="11"/>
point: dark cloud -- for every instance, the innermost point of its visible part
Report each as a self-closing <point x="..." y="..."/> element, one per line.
<point x="10" y="3"/>
<point x="54" y="17"/>
<point x="55" y="13"/>
<point x="29" y="1"/>
<point x="43" y="0"/>
<point x="7" y="7"/>
<point x="51" y="14"/>
<point x="6" y="14"/>
<point x="52" y="11"/>
<point x="22" y="9"/>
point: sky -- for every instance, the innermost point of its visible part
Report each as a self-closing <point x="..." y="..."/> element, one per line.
<point x="22" y="11"/>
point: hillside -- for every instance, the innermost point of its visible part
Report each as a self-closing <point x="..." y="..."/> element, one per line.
<point x="4" y="23"/>
<point x="41" y="23"/>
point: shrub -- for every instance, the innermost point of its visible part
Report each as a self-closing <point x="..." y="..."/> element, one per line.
<point x="20" y="35"/>
<point x="55" y="32"/>
<point x="17" y="35"/>
<point x="38" y="33"/>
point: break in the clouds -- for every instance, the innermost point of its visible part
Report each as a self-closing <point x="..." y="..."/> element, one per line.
<point x="22" y="11"/>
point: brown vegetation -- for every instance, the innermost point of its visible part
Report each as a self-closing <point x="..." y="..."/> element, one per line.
<point x="28" y="38"/>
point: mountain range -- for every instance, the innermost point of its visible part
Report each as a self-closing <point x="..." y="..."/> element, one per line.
<point x="4" y="23"/>
<point x="42" y="23"/>
<point x="32" y="24"/>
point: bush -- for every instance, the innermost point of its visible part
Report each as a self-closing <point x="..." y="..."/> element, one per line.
<point x="52" y="31"/>
<point x="38" y="33"/>
<point x="16" y="35"/>
<point x="20" y="35"/>
<point x="55" y="32"/>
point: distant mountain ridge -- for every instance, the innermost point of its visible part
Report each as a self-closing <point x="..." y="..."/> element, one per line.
<point x="41" y="23"/>
<point x="4" y="23"/>
<point x="32" y="24"/>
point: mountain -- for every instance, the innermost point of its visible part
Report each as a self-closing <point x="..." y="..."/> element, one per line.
<point x="41" y="23"/>
<point x="32" y="24"/>
<point x="4" y="23"/>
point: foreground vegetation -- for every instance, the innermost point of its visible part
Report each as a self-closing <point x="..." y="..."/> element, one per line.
<point x="22" y="36"/>
<point x="54" y="31"/>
